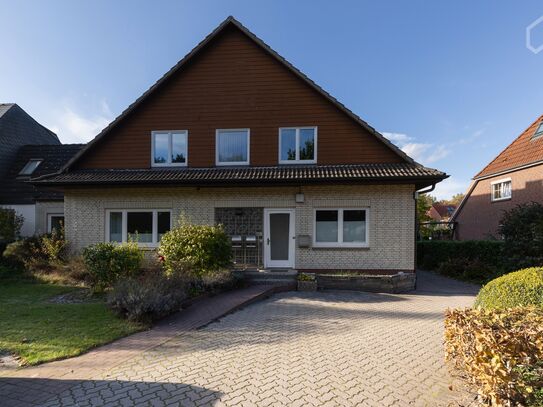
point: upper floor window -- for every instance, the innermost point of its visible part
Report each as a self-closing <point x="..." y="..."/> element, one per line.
<point x="232" y="146"/>
<point x="297" y="145"/>
<point x="30" y="166"/>
<point x="501" y="189"/>
<point x="169" y="148"/>
<point x="539" y="130"/>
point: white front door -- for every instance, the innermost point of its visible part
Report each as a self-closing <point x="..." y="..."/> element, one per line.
<point x="279" y="237"/>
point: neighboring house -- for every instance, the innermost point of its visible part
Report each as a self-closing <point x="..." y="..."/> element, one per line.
<point x="42" y="207"/>
<point x="440" y="212"/>
<point x="234" y="134"/>
<point x="514" y="177"/>
<point x="17" y="129"/>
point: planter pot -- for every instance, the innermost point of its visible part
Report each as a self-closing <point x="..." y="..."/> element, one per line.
<point x="307" y="285"/>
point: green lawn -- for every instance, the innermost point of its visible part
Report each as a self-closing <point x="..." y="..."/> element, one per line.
<point x="40" y="331"/>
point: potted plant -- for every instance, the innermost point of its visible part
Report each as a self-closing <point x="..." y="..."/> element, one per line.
<point x="307" y="282"/>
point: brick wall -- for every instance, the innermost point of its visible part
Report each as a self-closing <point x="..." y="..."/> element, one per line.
<point x="479" y="217"/>
<point x="391" y="218"/>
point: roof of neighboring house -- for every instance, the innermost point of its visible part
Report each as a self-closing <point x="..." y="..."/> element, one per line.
<point x="444" y="210"/>
<point x="294" y="174"/>
<point x="231" y="21"/>
<point x="6" y="107"/>
<point x="15" y="188"/>
<point x="524" y="150"/>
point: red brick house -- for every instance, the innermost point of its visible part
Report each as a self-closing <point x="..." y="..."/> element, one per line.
<point x="234" y="134"/>
<point x="441" y="212"/>
<point x="514" y="177"/>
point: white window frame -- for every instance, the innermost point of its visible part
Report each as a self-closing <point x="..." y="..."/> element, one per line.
<point x="169" y="163"/>
<point x="124" y="212"/>
<point x="340" y="242"/>
<point x="539" y="130"/>
<point x="500" y="181"/>
<point x="50" y="221"/>
<point x="297" y="160"/>
<point x="233" y="163"/>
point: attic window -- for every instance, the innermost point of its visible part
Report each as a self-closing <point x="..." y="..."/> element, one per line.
<point x="539" y="131"/>
<point x="30" y="166"/>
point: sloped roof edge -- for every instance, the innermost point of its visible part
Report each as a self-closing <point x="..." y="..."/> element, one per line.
<point x="232" y="21"/>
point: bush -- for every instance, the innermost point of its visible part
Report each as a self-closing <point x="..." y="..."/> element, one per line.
<point x="195" y="249"/>
<point x="146" y="300"/>
<point x="521" y="288"/>
<point x="27" y="253"/>
<point x="468" y="270"/>
<point x="499" y="351"/>
<point x="522" y="230"/>
<point x="107" y="262"/>
<point x="10" y="224"/>
<point x="215" y="282"/>
<point x="54" y="246"/>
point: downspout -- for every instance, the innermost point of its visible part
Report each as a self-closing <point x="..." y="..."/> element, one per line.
<point x="416" y="197"/>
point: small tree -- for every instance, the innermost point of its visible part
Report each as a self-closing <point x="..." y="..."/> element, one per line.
<point x="522" y="230"/>
<point x="10" y="224"/>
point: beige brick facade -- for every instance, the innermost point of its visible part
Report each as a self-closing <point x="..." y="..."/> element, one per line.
<point x="391" y="216"/>
<point x="479" y="216"/>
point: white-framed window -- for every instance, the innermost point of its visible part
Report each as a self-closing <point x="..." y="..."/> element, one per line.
<point x="55" y="221"/>
<point x="169" y="148"/>
<point x="232" y="146"/>
<point x="297" y="145"/>
<point x="30" y="166"/>
<point x="341" y="227"/>
<point x="146" y="226"/>
<point x="501" y="189"/>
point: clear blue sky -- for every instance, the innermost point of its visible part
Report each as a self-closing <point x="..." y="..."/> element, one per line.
<point x="453" y="81"/>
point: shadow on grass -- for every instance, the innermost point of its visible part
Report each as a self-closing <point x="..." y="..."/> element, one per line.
<point x="30" y="392"/>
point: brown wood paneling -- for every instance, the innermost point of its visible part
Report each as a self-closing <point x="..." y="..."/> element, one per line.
<point x="233" y="83"/>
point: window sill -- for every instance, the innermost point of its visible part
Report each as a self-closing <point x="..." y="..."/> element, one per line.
<point x="500" y="199"/>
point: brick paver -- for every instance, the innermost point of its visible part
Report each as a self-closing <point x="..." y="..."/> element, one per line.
<point x="294" y="349"/>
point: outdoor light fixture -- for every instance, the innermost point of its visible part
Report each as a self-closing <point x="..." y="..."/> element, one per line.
<point x="300" y="198"/>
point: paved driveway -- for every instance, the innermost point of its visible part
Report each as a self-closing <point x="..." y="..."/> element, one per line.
<point x="298" y="349"/>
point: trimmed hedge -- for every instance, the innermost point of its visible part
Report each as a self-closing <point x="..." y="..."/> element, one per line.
<point x="430" y="254"/>
<point x="501" y="352"/>
<point x="521" y="288"/>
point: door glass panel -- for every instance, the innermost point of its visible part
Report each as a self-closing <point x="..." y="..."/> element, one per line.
<point x="354" y="226"/>
<point x="279" y="236"/>
<point x="139" y="226"/>
<point x="116" y="227"/>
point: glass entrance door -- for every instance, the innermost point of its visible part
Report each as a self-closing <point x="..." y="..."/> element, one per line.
<point x="279" y="237"/>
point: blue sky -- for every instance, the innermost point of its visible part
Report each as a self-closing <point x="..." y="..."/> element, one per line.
<point x="452" y="83"/>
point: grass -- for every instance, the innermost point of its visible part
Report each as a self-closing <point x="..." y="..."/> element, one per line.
<point x="38" y="330"/>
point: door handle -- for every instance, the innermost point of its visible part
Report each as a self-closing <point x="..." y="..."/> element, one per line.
<point x="268" y="241"/>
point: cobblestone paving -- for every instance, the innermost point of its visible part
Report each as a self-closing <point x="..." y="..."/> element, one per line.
<point x="298" y="349"/>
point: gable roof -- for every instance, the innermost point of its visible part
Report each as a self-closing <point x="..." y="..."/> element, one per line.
<point x="15" y="108"/>
<point x="444" y="210"/>
<point x="524" y="150"/>
<point x="4" y="107"/>
<point x="231" y="21"/>
<point x="15" y="189"/>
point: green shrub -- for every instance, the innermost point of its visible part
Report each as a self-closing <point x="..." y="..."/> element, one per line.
<point x="195" y="249"/>
<point x="149" y="299"/>
<point x="465" y="269"/>
<point x="522" y="230"/>
<point x="521" y="288"/>
<point x="26" y="253"/>
<point x="107" y="262"/>
<point x="501" y="352"/>
<point x="10" y="224"/>
<point x="215" y="282"/>
<point x="54" y="246"/>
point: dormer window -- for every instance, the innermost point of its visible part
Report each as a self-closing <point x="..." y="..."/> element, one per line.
<point x="30" y="166"/>
<point x="169" y="148"/>
<point x="297" y="145"/>
<point x="539" y="130"/>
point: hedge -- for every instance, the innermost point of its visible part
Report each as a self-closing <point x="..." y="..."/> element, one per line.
<point x="521" y="288"/>
<point x="501" y="352"/>
<point x="430" y="254"/>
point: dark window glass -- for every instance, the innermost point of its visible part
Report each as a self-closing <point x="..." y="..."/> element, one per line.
<point x="354" y="226"/>
<point x="288" y="144"/>
<point x="163" y="219"/>
<point x="327" y="226"/>
<point x="57" y="223"/>
<point x="307" y="144"/>
<point x="139" y="226"/>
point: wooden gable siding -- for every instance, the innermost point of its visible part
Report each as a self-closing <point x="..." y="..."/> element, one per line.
<point x="233" y="83"/>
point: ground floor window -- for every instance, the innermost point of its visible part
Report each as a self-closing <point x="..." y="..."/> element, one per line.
<point x="341" y="227"/>
<point x="55" y="221"/>
<point x="144" y="226"/>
